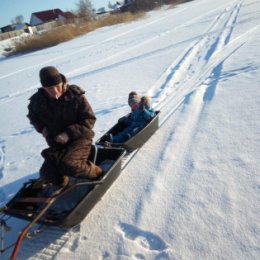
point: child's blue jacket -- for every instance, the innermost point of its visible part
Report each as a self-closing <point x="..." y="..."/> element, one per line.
<point x="138" y="118"/>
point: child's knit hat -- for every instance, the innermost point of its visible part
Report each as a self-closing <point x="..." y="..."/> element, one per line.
<point x="133" y="98"/>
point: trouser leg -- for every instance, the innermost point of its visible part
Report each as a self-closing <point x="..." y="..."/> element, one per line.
<point x="122" y="136"/>
<point x="75" y="162"/>
<point x="49" y="172"/>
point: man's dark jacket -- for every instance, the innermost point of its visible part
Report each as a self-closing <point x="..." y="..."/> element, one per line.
<point x="71" y="113"/>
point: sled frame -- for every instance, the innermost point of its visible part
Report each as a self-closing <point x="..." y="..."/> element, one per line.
<point x="49" y="201"/>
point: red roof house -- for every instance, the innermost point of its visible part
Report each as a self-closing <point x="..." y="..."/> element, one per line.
<point x="47" y="16"/>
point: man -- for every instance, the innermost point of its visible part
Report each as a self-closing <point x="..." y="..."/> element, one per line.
<point x="62" y="114"/>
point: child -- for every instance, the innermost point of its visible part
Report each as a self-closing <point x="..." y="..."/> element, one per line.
<point x="141" y="114"/>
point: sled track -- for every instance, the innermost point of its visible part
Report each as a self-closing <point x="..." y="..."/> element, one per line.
<point x="188" y="74"/>
<point x="47" y="244"/>
<point x="185" y="77"/>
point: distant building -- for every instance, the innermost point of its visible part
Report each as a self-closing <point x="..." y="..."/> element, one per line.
<point x="121" y="6"/>
<point x="8" y="28"/>
<point x="102" y="10"/>
<point x="49" y="15"/>
<point x="69" y="15"/>
<point x="118" y="6"/>
<point x="15" y="27"/>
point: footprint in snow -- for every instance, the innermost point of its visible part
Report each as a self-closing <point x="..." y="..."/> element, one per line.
<point x="145" y="239"/>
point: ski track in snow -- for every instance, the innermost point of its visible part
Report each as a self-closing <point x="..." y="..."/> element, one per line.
<point x="202" y="64"/>
<point x="186" y="75"/>
<point x="197" y="63"/>
<point x="176" y="91"/>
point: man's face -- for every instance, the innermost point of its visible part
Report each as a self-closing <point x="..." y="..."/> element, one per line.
<point x="55" y="91"/>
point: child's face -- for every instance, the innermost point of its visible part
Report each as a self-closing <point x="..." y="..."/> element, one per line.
<point x="134" y="106"/>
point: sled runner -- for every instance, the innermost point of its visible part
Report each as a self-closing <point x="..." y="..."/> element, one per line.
<point x="67" y="207"/>
<point x="135" y="141"/>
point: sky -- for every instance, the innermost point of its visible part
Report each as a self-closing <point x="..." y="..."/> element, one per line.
<point x="12" y="8"/>
<point x="192" y="190"/>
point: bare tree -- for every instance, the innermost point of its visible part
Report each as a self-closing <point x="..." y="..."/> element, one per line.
<point x="85" y="10"/>
<point x="18" y="19"/>
<point x="110" y="5"/>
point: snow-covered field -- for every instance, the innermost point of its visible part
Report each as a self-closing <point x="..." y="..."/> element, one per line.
<point x="192" y="191"/>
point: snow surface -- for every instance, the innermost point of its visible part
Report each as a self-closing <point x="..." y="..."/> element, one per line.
<point x="192" y="191"/>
